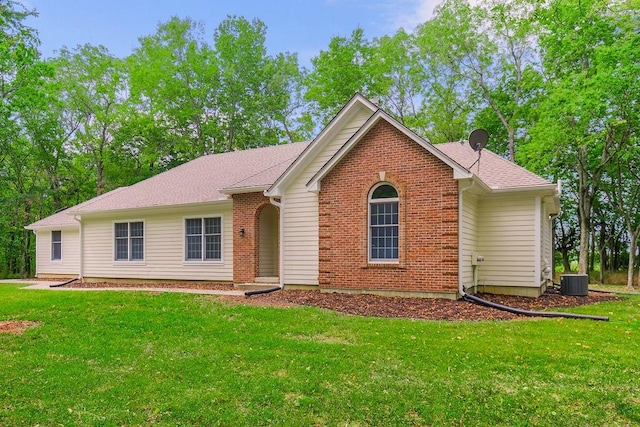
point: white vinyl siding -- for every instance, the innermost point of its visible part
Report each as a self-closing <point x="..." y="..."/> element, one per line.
<point x="301" y="212"/>
<point x="164" y="247"/>
<point x="546" y="239"/>
<point x="469" y="236"/>
<point x="69" y="262"/>
<point x="507" y="240"/>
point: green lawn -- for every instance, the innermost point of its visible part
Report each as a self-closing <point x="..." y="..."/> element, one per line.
<point x="133" y="358"/>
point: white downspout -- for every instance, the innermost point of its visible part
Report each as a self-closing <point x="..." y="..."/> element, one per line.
<point x="280" y="206"/>
<point x="80" y="236"/>
<point x="460" y="229"/>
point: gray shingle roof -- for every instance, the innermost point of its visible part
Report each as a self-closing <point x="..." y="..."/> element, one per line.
<point x="64" y="218"/>
<point x="201" y="180"/>
<point x="496" y="172"/>
<point x="210" y="178"/>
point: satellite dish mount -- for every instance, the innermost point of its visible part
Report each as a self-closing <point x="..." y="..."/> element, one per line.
<point x="478" y="140"/>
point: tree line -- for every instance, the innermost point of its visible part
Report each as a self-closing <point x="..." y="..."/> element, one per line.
<point x="556" y="83"/>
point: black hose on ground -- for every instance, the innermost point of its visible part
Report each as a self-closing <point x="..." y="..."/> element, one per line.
<point x="65" y="283"/>
<point x="477" y="300"/>
<point x="262" y="291"/>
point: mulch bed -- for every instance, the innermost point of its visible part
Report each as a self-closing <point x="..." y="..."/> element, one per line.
<point x="392" y="307"/>
<point x="424" y="308"/>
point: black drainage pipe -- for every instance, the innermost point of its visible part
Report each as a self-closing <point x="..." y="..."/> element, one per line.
<point x="65" y="283"/>
<point x="262" y="291"/>
<point x="477" y="300"/>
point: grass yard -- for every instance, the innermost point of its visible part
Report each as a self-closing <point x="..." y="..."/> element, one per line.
<point x="137" y="358"/>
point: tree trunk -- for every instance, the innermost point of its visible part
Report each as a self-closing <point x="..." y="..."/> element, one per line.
<point x="99" y="178"/>
<point x="566" y="265"/>
<point x="601" y="252"/>
<point x="632" y="259"/>
<point x="585" y="200"/>
<point x="512" y="144"/>
<point x="583" y="260"/>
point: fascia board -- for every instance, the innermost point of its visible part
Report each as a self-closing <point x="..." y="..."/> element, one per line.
<point x="244" y="190"/>
<point x="155" y="209"/>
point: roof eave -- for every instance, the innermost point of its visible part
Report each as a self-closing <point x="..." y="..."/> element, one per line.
<point x="50" y="227"/>
<point x="244" y="190"/>
<point x="155" y="208"/>
<point x="552" y="189"/>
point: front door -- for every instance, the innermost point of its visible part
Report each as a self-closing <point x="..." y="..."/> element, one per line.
<point x="268" y="239"/>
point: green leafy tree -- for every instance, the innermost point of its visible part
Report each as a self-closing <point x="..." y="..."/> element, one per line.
<point x="174" y="83"/>
<point x="579" y="130"/>
<point x="28" y="169"/>
<point x="93" y="88"/>
<point x="350" y="64"/>
<point x="492" y="48"/>
<point x="254" y="101"/>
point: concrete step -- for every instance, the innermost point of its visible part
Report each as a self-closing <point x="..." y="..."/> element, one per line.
<point x="254" y="286"/>
<point x="268" y="279"/>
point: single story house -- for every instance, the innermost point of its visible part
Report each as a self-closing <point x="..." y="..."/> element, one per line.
<point x="368" y="206"/>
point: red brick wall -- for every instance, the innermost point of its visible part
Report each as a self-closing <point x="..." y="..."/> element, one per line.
<point x="246" y="208"/>
<point x="428" y="212"/>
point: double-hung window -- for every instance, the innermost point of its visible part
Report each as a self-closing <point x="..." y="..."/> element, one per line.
<point x="129" y="241"/>
<point x="203" y="239"/>
<point x="383" y="224"/>
<point x="56" y="245"/>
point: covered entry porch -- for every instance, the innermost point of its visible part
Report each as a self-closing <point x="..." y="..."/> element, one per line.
<point x="256" y="248"/>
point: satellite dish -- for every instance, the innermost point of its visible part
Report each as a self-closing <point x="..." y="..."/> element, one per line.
<point x="478" y="139"/>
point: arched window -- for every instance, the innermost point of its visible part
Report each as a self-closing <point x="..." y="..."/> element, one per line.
<point x="383" y="223"/>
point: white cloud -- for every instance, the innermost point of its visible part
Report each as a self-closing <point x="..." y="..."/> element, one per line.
<point x="408" y="14"/>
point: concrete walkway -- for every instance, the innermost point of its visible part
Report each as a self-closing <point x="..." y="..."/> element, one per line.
<point x="46" y="285"/>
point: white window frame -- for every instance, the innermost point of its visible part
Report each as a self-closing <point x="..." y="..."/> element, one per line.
<point x="51" y="247"/>
<point x="129" y="261"/>
<point x="202" y="259"/>
<point x="371" y="201"/>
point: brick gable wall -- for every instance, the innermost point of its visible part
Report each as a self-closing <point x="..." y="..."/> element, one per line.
<point x="428" y="212"/>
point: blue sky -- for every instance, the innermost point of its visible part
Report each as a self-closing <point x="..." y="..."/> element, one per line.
<point x="302" y="26"/>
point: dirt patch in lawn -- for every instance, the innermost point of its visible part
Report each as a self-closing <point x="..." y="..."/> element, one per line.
<point x="16" y="327"/>
<point x="379" y="306"/>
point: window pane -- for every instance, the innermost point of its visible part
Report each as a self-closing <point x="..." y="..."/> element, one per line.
<point x="384" y="192"/>
<point x="212" y="225"/>
<point x="384" y="231"/>
<point x="122" y="229"/>
<point x="122" y="249"/>
<point x="194" y="226"/>
<point x="194" y="247"/>
<point x="213" y="250"/>
<point x="56" y="245"/>
<point x="137" y="248"/>
<point x="137" y="229"/>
